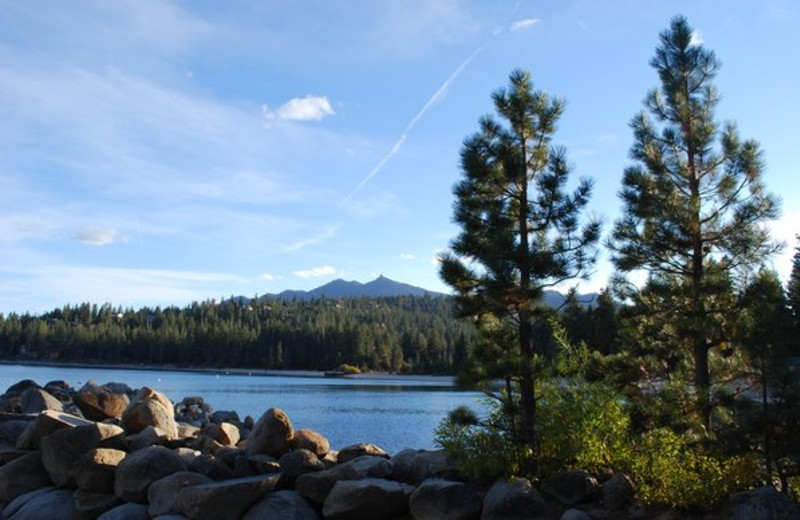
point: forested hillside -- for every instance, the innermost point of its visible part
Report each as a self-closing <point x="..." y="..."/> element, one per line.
<point x="394" y="334"/>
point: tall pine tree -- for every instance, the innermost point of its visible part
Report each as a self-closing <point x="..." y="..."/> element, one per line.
<point x="694" y="202"/>
<point x="520" y="230"/>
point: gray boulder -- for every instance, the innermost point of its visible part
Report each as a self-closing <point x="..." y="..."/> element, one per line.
<point x="514" y="500"/>
<point x="221" y="416"/>
<point x="227" y="500"/>
<point x="764" y="503"/>
<point x="376" y="499"/>
<point x="141" y="468"/>
<point x="272" y="434"/>
<point x="575" y="514"/>
<point x="162" y="495"/>
<point x="349" y="453"/>
<point x="305" y="439"/>
<point x="91" y="505"/>
<point x="316" y="486"/>
<point x="150" y="408"/>
<point x="62" y="448"/>
<point x="95" y="471"/>
<point x="300" y="462"/>
<point x="211" y="467"/>
<point x="415" y="466"/>
<point x="282" y="505"/>
<point x="22" y="475"/>
<point x="128" y="511"/>
<point x="46" y="423"/>
<point x="35" y="400"/>
<point x="444" y="500"/>
<point x="570" y="488"/>
<point x="45" y="503"/>
<point x="618" y="492"/>
<point x="11" y="428"/>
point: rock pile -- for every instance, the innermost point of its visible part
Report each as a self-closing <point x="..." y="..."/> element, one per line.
<point x="110" y="453"/>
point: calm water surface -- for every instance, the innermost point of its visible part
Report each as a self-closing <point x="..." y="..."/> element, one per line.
<point x="394" y="413"/>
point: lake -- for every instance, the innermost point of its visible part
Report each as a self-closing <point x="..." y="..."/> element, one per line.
<point x="393" y="412"/>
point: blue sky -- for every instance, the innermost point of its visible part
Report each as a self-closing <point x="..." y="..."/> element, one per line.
<point x="162" y="152"/>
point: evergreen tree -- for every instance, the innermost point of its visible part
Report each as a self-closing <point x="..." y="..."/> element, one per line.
<point x="794" y="284"/>
<point x="694" y="202"/>
<point x="520" y="230"/>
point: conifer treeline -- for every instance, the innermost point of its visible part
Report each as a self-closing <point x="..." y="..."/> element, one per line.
<point x="395" y="334"/>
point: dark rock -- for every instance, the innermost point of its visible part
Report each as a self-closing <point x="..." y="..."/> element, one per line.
<point x="94" y="472"/>
<point x="221" y="416"/>
<point x="359" y="450"/>
<point x="229" y="454"/>
<point x="150" y="436"/>
<point x="141" y="468"/>
<point x="514" y="500"/>
<point x="575" y="514"/>
<point x="444" y="500"/>
<point x="21" y="386"/>
<point x="22" y="475"/>
<point x="11" y="430"/>
<point x="316" y="486"/>
<point x="272" y="434"/>
<point x="570" y="488"/>
<point x="618" y="492"/>
<point x="37" y="400"/>
<point x="283" y="505"/>
<point x="226" y="500"/>
<point x="212" y="467"/>
<point x="764" y="503"/>
<point x="99" y="402"/>
<point x="264" y="464"/>
<point x="415" y="466"/>
<point x="128" y="511"/>
<point x="62" y="448"/>
<point x="376" y="499"/>
<point x="91" y="505"/>
<point x="300" y="462"/>
<point x="44" y="503"/>
<point x="162" y="495"/>
<point x="187" y="455"/>
<point x="46" y="423"/>
<point x="305" y="439"/>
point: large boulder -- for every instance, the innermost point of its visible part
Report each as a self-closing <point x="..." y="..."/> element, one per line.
<point x="618" y="492"/>
<point x="35" y="400"/>
<point x="141" y="468"/>
<point x="305" y="439"/>
<point x="570" y="488"/>
<point x="162" y="495"/>
<point x="444" y="500"/>
<point x="62" y="448"/>
<point x="49" y="503"/>
<point x="272" y="434"/>
<point x="128" y="511"/>
<point x="227" y="500"/>
<point x="46" y="423"/>
<point x="376" y="499"/>
<point x="22" y="475"/>
<point x="212" y="467"/>
<point x="415" y="466"/>
<point x="316" y="486"/>
<point x="99" y="402"/>
<point x="300" y="462"/>
<point x="12" y="426"/>
<point x="20" y="386"/>
<point x="764" y="503"/>
<point x="91" y="505"/>
<point x="150" y="408"/>
<point x="94" y="472"/>
<point x="514" y="500"/>
<point x="283" y="505"/>
<point x="354" y="451"/>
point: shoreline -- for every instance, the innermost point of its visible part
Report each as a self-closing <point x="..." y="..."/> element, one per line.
<point x="231" y="371"/>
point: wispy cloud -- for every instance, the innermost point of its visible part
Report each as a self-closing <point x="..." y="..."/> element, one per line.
<point x="268" y="277"/>
<point x="316" y="272"/>
<point x="96" y="236"/>
<point x="696" y="39"/>
<point x="309" y="108"/>
<point x="316" y="239"/>
<point x="407" y="256"/>
<point x="521" y="25"/>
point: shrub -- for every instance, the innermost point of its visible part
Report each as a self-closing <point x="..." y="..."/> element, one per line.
<point x="348" y="369"/>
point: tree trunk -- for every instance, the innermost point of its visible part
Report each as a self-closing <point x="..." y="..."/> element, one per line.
<point x="527" y="394"/>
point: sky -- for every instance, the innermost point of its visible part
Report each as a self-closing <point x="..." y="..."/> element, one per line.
<point x="159" y="152"/>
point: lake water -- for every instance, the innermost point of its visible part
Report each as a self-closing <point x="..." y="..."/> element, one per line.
<point x="394" y="413"/>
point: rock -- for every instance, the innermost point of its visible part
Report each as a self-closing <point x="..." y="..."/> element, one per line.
<point x="150" y="436"/>
<point x="316" y="486"/>
<point x="62" y="448"/>
<point x="19" y="387"/>
<point x="299" y="462"/>
<point x="91" y="505"/>
<point x="272" y="434"/>
<point x="444" y="500"/>
<point x="11" y="428"/>
<point x="118" y="388"/>
<point x="94" y="472"/>
<point x="228" y="455"/>
<point x="358" y="450"/>
<point x="263" y="464"/>
<point x="224" y="433"/>
<point x="415" y="466"/>
<point x="618" y="492"/>
<point x="170" y="517"/>
<point x="187" y="455"/>
<point x="571" y="488"/>
<point x="45" y="503"/>
<point x="283" y="505"/>
<point x="99" y="402"/>
<point x="141" y="468"/>
<point x="226" y="500"/>
<point x="162" y="495"/>
<point x="221" y="416"/>
<point x="242" y="468"/>
<point x="22" y="475"/>
<point x="35" y="400"/>
<point x="186" y="431"/>
<point x="764" y="503"/>
<point x="376" y="499"/>
<point x="150" y="408"/>
<point x="514" y="500"/>
<point x="128" y="511"/>
<point x="46" y="423"/>
<point x="212" y="467"/>
<point x="575" y="514"/>
<point x="305" y="439"/>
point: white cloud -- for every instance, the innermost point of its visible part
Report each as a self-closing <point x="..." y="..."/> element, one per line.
<point x="697" y="38"/>
<point x="309" y="108"/>
<point x="96" y="236"/>
<point x="316" y="239"/>
<point x="784" y="230"/>
<point x="269" y="277"/>
<point x="526" y="23"/>
<point x="407" y="256"/>
<point x="315" y="272"/>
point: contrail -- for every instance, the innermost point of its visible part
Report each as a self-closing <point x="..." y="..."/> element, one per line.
<point x="435" y="98"/>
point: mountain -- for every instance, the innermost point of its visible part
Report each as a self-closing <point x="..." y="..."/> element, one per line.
<point x="379" y="287"/>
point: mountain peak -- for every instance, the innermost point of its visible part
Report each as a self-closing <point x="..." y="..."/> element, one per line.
<point x="377" y="288"/>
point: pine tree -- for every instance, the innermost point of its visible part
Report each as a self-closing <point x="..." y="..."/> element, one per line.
<point x="520" y="230"/>
<point x="694" y="202"/>
<point x="794" y="284"/>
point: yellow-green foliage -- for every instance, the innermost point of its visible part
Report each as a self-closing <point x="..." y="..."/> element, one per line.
<point x="348" y="369"/>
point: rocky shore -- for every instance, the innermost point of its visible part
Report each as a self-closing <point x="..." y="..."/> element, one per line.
<point x="110" y="452"/>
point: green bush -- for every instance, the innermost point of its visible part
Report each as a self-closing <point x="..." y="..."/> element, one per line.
<point x="348" y="369"/>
